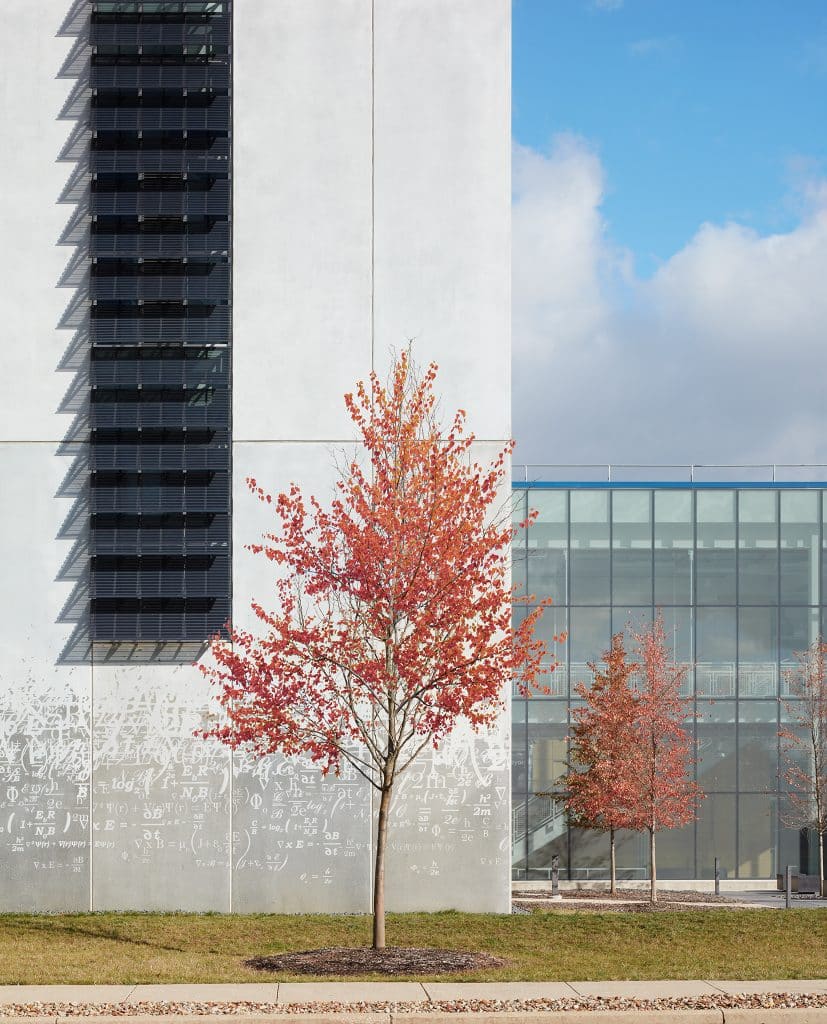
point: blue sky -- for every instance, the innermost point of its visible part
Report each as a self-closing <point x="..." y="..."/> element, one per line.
<point x="670" y="231"/>
<point x="701" y="110"/>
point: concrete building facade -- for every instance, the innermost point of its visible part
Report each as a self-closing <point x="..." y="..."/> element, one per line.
<point x="347" y="188"/>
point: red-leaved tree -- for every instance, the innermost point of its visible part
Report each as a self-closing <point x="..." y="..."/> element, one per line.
<point x="661" y="792"/>
<point x="390" y="619"/>
<point x="603" y="746"/>
<point x="804" y="746"/>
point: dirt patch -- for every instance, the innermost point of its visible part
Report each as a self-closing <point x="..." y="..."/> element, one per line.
<point x="345" y="961"/>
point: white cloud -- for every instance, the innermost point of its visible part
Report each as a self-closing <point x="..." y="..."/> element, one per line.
<point x="653" y="46"/>
<point x="720" y="357"/>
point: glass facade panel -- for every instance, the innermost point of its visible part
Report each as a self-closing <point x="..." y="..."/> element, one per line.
<point x="519" y="511"/>
<point x="715" y="554"/>
<point x="757" y="547"/>
<point x="590" y="563"/>
<point x="715" y="730"/>
<point x="674" y="547"/>
<point x="589" y="635"/>
<point x="798" y="629"/>
<point x="715" y="652"/>
<point x="757" y="652"/>
<point x="796" y="754"/>
<point x="799" y="547"/>
<point x="631" y="547"/>
<point x="824" y="547"/>
<point x="756" y="835"/>
<point x="717" y="819"/>
<point x="678" y="624"/>
<point x="547" y="544"/>
<point x="675" y="852"/>
<point x="757" y="745"/>
<point x="546" y="824"/>
<point x="738" y="574"/>
<point x="629" y="621"/>
<point x="519" y="786"/>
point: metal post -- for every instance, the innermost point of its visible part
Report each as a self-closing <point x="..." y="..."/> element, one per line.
<point x="788" y="887"/>
<point x="717" y="877"/>
<point x="555" y="877"/>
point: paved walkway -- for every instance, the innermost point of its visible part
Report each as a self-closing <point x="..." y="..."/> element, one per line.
<point x="773" y="898"/>
<point x="423" y="1002"/>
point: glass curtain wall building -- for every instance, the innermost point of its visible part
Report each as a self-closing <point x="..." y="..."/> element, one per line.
<point x="738" y="572"/>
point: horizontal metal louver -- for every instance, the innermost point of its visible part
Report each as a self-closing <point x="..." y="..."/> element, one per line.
<point x="160" y="319"/>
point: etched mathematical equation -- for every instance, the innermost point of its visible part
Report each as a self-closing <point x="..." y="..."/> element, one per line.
<point x="119" y="804"/>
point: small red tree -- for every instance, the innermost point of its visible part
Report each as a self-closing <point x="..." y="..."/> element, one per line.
<point x="603" y="746"/>
<point x="392" y="617"/>
<point x="662" y="793"/>
<point x="806" y="734"/>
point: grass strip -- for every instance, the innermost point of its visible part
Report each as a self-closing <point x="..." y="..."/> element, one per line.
<point x="133" y="948"/>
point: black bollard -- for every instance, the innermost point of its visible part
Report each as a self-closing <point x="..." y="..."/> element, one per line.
<point x="717" y="877"/>
<point x="555" y="877"/>
<point x="788" y="887"/>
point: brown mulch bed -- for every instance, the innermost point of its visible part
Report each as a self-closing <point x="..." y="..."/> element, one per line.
<point x="344" y="960"/>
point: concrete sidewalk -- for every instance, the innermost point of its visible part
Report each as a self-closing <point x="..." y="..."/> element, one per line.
<point x="417" y="1002"/>
<point x="395" y="991"/>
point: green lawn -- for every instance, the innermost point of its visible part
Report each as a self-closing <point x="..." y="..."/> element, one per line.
<point x="143" y="948"/>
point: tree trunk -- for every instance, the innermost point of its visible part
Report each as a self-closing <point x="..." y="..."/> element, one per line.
<point x="379" y="871"/>
<point x="653" y="875"/>
<point x="612" y="862"/>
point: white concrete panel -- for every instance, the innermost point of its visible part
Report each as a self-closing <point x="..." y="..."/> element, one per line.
<point x="442" y="196"/>
<point x="44" y="705"/>
<point x="300" y="842"/>
<point x="31" y="221"/>
<point x="161" y="796"/>
<point x="451" y="813"/>
<point x="274" y="466"/>
<point x="302" y="215"/>
<point x="449" y="845"/>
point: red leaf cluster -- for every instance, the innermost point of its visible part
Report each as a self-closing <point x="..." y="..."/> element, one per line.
<point x="391" y="617"/>
<point x="599" y="790"/>
<point x="630" y="744"/>
<point x="631" y="752"/>
<point x="661" y="768"/>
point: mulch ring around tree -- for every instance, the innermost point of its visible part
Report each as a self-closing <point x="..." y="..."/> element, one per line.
<point x="344" y="960"/>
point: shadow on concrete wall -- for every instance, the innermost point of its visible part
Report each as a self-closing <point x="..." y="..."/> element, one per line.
<point x="81" y="648"/>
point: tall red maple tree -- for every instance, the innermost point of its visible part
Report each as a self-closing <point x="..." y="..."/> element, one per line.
<point x="661" y="792"/>
<point x="603" y="745"/>
<point x="391" y="614"/>
<point x="804" y="746"/>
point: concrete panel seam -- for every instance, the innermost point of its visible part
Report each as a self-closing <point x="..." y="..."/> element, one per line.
<point x="373" y="185"/>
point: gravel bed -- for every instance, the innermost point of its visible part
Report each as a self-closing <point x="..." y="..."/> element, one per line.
<point x="638" y="895"/>
<point x="764" y="1001"/>
<point x="625" y="901"/>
